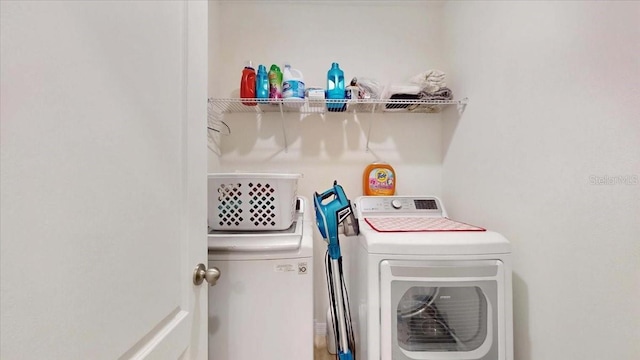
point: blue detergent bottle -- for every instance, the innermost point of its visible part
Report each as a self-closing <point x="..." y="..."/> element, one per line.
<point x="262" y="83"/>
<point x="335" y="88"/>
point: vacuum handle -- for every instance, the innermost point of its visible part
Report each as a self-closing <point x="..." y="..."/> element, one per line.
<point x="335" y="191"/>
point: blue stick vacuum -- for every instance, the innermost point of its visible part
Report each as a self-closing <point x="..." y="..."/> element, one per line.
<point x="332" y="207"/>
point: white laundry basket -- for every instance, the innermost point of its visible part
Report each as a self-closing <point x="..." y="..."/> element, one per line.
<point x="251" y="201"/>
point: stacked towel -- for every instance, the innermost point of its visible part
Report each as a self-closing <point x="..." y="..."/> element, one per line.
<point x="432" y="87"/>
<point x="443" y="93"/>
<point x="430" y="81"/>
<point x="429" y="86"/>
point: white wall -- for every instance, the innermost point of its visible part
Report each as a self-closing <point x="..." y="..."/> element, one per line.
<point x="395" y="40"/>
<point x="555" y="101"/>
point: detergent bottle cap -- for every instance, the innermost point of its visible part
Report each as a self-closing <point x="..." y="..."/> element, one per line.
<point x="249" y="64"/>
<point x="335" y="65"/>
<point x="262" y="68"/>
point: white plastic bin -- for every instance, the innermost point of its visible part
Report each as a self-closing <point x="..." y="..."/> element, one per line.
<point x="251" y="201"/>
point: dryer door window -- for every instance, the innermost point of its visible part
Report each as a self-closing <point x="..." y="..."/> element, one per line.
<point x="442" y="319"/>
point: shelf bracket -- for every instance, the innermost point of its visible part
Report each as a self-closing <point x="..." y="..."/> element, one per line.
<point x="373" y="111"/>
<point x="284" y="132"/>
<point x="462" y="104"/>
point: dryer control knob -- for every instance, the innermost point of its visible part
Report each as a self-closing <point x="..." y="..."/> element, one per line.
<point x="396" y="204"/>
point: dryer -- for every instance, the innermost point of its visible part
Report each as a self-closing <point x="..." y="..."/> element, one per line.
<point x="425" y="287"/>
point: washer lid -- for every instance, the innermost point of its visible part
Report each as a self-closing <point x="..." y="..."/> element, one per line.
<point x="257" y="241"/>
<point x="432" y="243"/>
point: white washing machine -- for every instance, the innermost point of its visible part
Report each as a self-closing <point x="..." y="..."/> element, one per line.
<point x="425" y="287"/>
<point x="262" y="304"/>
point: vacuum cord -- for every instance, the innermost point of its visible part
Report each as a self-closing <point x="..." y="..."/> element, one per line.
<point x="333" y="305"/>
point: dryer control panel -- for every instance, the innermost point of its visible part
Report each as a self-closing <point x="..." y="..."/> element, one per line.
<point x="400" y="206"/>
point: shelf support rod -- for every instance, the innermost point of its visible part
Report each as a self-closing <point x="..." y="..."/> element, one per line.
<point x="373" y="111"/>
<point x="284" y="132"/>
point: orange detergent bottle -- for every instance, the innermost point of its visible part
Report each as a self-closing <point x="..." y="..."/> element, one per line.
<point x="379" y="179"/>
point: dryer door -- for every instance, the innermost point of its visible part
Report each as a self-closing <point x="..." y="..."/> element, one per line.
<point x="442" y="309"/>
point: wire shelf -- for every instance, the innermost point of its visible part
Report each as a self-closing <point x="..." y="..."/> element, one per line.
<point x="218" y="107"/>
<point x="306" y="106"/>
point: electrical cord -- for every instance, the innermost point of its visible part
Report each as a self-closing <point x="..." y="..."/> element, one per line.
<point x="328" y="274"/>
<point x="345" y="295"/>
<point x="214" y="118"/>
<point x="225" y="125"/>
<point x="346" y="306"/>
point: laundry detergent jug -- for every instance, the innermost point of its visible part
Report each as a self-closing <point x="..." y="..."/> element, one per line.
<point x="335" y="88"/>
<point x="292" y="85"/>
<point x="248" y="84"/>
<point x="379" y="179"/>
